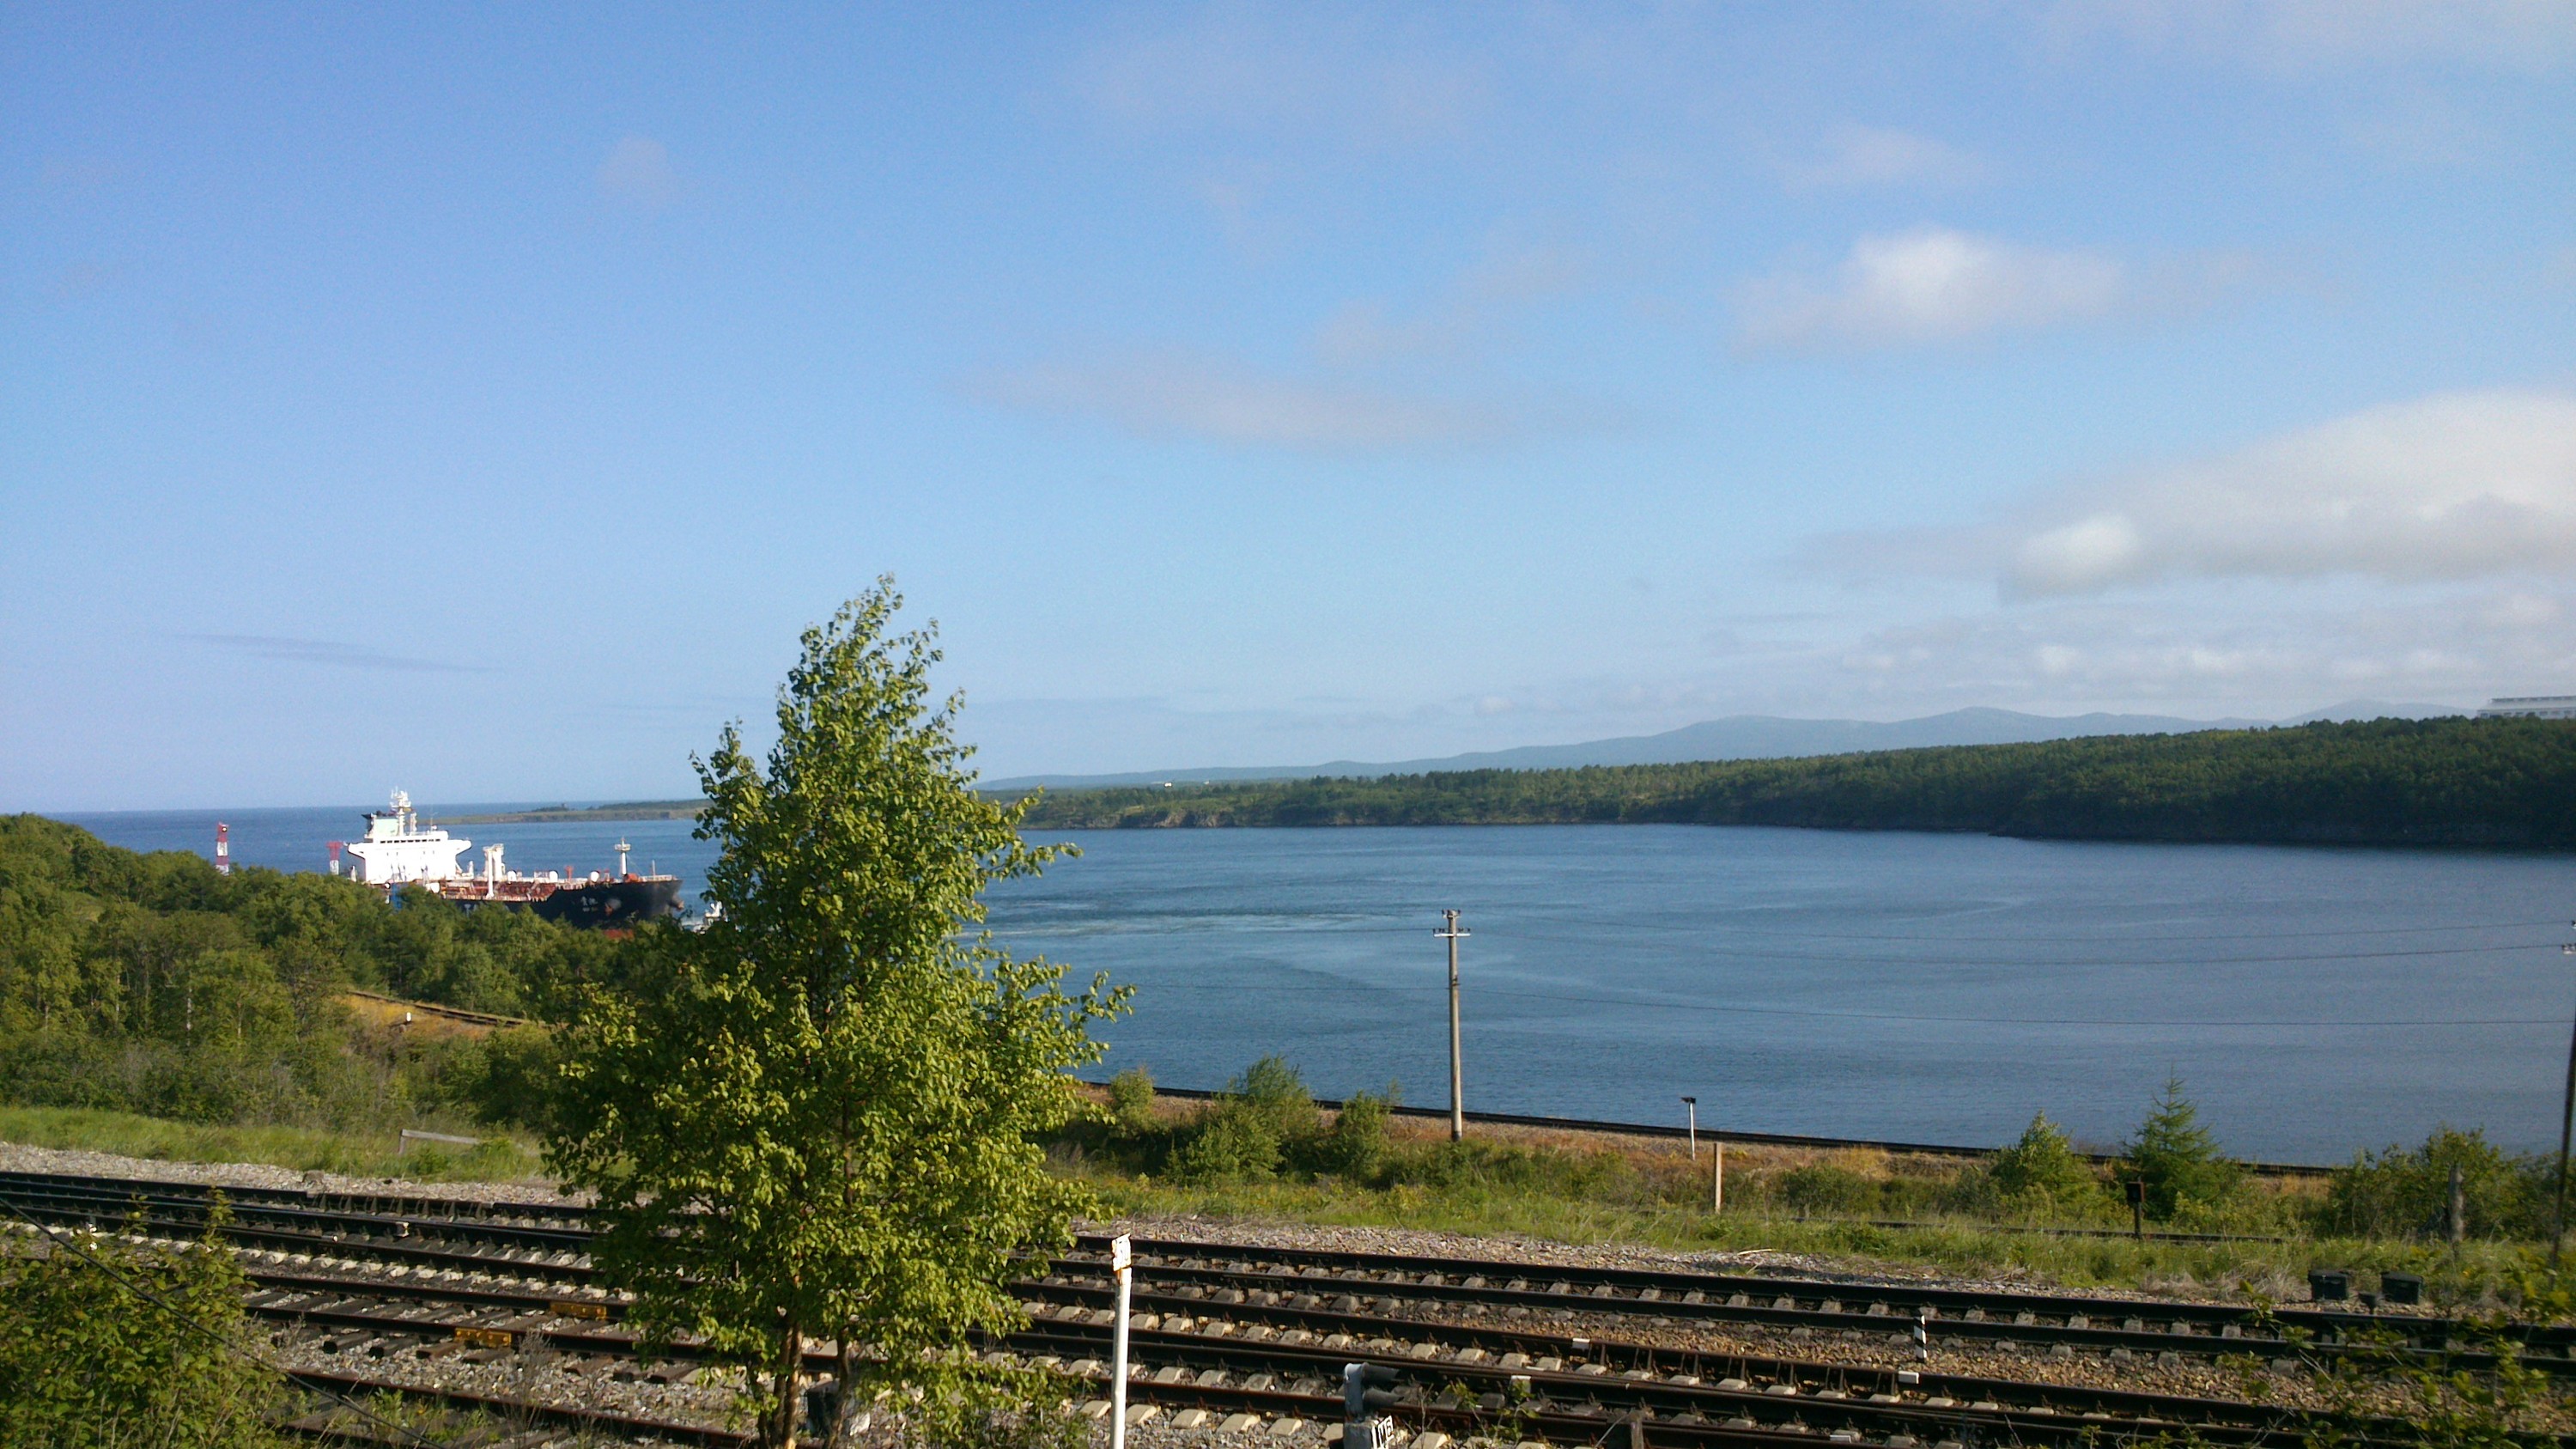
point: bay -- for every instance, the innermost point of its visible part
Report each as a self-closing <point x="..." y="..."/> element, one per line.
<point x="1937" y="988"/>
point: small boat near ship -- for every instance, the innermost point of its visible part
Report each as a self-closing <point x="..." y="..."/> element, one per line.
<point x="398" y="851"/>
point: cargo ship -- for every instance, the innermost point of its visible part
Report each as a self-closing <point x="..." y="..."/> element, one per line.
<point x="398" y="851"/>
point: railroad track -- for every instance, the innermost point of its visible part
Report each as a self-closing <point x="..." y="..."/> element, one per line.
<point x="1388" y="1283"/>
<point x="1223" y="1329"/>
<point x="1682" y="1399"/>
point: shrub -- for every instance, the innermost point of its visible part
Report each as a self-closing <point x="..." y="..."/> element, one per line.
<point x="1230" y="1142"/>
<point x="1277" y="1090"/>
<point x="1131" y="1103"/>
<point x="2040" y="1171"/>
<point x="2401" y="1192"/>
<point x="1266" y="1119"/>
<point x="1356" y="1147"/>
<point x="517" y="1080"/>
<point x="1502" y="1167"/>
<point x="2177" y="1158"/>
<point x="1821" y="1187"/>
<point x="87" y="1364"/>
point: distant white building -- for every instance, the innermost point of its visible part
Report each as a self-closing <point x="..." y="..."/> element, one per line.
<point x="2537" y="706"/>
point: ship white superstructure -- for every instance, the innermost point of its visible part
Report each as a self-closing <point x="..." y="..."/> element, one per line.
<point x="2531" y="706"/>
<point x="398" y="851"/>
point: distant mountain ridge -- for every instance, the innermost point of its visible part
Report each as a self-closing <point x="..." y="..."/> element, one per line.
<point x="1751" y="737"/>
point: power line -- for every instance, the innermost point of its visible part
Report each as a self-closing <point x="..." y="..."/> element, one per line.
<point x="1506" y="998"/>
<point x="1725" y="927"/>
<point x="1757" y="955"/>
<point x="1181" y="925"/>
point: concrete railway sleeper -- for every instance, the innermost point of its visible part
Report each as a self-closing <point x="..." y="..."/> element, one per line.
<point x="2139" y="1325"/>
<point x="1185" y="1276"/>
<point x="1182" y="1284"/>
<point x="1500" y="1372"/>
<point x="1176" y="1369"/>
<point x="1332" y="1339"/>
<point x="1967" y="1312"/>
<point x="520" y="1423"/>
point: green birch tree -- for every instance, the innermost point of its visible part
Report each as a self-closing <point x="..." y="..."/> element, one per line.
<point x="820" y="1119"/>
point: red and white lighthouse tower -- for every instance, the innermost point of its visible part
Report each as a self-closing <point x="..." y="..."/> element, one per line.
<point x="223" y="848"/>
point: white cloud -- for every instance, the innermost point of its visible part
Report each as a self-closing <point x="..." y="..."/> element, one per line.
<point x="334" y="652"/>
<point x="1251" y="66"/>
<point x="1468" y="316"/>
<point x="1934" y="285"/>
<point x="2455" y="486"/>
<point x="1182" y="395"/>
<point x="2531" y="36"/>
<point x="638" y="173"/>
<point x="1855" y="155"/>
<point x="2267" y="652"/>
<point x="2423" y="128"/>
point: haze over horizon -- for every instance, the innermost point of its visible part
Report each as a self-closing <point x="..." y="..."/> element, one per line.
<point x="482" y="401"/>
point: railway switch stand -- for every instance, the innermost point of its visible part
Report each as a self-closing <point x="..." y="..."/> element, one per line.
<point x="1368" y="1391"/>
<point x="822" y="1409"/>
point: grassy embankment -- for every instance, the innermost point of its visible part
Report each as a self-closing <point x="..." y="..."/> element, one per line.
<point x="1193" y="1159"/>
<point x="503" y="1158"/>
<point x="1823" y="1206"/>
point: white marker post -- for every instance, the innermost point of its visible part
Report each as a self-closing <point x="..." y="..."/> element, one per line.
<point x="1121" y="1262"/>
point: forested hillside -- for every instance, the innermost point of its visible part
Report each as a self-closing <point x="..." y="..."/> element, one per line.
<point x="151" y="983"/>
<point x="2504" y="782"/>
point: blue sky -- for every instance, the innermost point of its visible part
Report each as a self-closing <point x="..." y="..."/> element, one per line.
<point x="479" y="399"/>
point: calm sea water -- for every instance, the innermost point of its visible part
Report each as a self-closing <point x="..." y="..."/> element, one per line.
<point x="1935" y="988"/>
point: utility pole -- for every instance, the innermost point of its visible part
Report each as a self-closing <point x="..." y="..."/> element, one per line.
<point x="2566" y="1120"/>
<point x="1451" y="932"/>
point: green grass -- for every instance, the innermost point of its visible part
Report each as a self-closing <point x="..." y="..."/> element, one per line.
<point x="2277" y="1271"/>
<point x="1477" y="1208"/>
<point x="498" y="1159"/>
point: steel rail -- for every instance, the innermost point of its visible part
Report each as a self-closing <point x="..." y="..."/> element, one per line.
<point x="324" y="1298"/>
<point x="1061" y="1308"/>
<point x="321" y="1424"/>
<point x="1812" y="1302"/>
<point x="1627" y="1288"/>
<point x="1193" y="1363"/>
<point x="1460" y="1284"/>
<point x="327" y="1299"/>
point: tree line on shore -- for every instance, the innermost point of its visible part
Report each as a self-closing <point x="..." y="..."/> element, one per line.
<point x="2450" y="782"/>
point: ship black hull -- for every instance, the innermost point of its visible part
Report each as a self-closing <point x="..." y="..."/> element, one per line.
<point x="599" y="903"/>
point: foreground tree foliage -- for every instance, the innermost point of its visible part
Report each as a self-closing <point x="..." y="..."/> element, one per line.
<point x="88" y="1362"/>
<point x="822" y="1118"/>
